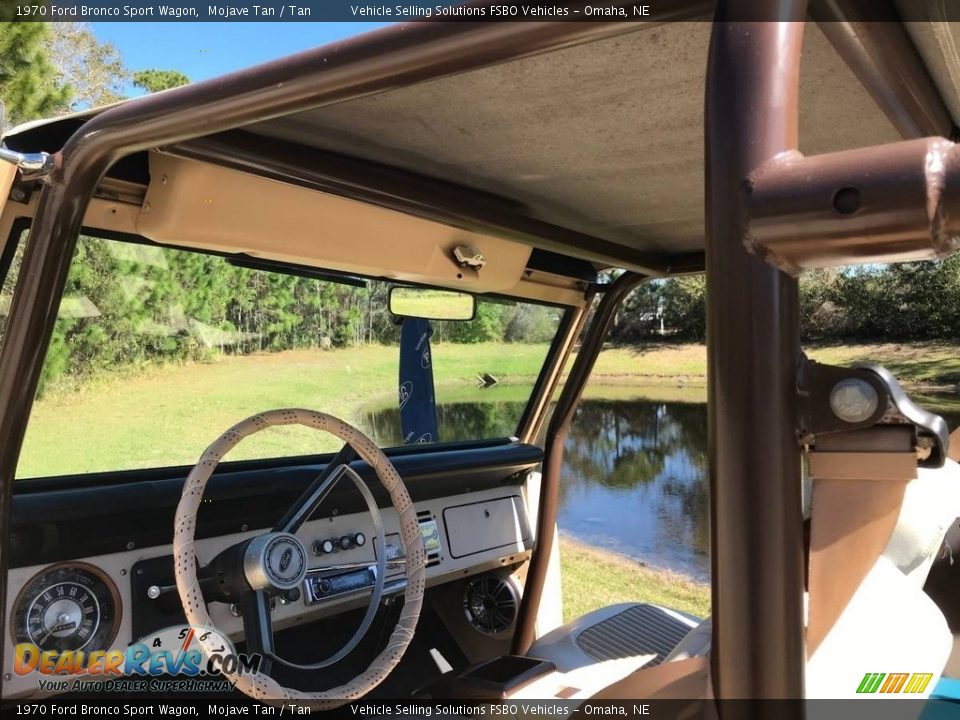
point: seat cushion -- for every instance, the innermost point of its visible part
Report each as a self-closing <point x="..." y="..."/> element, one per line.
<point x="645" y="632"/>
<point x="890" y="626"/>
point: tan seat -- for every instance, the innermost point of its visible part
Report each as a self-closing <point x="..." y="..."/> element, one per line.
<point x="890" y="624"/>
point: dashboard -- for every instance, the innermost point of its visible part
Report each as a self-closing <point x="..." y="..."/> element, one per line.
<point x="109" y="600"/>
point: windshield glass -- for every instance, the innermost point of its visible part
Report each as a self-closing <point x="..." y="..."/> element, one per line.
<point x="158" y="351"/>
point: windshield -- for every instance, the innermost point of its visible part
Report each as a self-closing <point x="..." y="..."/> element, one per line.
<point x="158" y="351"/>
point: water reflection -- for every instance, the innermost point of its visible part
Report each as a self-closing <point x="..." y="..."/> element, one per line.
<point x="634" y="475"/>
<point x="455" y="421"/>
<point x="635" y="481"/>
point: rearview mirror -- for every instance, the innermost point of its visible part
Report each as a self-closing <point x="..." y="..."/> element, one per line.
<point x="431" y="304"/>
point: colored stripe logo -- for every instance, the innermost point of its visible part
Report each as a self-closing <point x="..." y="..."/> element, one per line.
<point x="913" y="683"/>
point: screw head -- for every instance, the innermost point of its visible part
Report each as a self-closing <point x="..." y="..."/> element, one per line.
<point x="853" y="400"/>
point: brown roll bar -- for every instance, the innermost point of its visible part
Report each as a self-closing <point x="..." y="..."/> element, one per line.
<point x="753" y="346"/>
<point x="880" y="204"/>
<point x="557" y="431"/>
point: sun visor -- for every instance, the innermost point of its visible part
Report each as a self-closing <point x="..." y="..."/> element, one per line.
<point x="195" y="204"/>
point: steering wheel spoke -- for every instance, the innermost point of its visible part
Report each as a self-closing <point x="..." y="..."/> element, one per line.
<point x="258" y="627"/>
<point x="317" y="492"/>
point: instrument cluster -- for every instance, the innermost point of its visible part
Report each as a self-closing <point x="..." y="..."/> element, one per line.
<point x="67" y="607"/>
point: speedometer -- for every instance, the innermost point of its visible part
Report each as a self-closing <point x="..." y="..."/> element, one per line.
<point x="72" y="606"/>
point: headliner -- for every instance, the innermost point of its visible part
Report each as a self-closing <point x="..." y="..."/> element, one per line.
<point x="605" y="137"/>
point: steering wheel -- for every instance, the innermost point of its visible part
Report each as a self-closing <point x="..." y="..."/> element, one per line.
<point x="275" y="562"/>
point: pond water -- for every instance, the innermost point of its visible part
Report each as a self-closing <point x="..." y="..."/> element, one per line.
<point x="634" y="474"/>
<point x="634" y="477"/>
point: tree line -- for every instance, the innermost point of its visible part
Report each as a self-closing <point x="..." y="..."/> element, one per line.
<point x="130" y="306"/>
<point x="902" y="302"/>
<point x="187" y="305"/>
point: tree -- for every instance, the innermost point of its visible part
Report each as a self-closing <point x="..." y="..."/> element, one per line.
<point x="93" y="70"/>
<point x="823" y="314"/>
<point x="157" y="80"/>
<point x="28" y="80"/>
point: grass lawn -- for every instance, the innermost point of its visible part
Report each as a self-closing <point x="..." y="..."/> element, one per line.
<point x="932" y="363"/>
<point x="593" y="578"/>
<point x="168" y="415"/>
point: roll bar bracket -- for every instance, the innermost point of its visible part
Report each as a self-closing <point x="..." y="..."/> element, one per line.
<point x="864" y="409"/>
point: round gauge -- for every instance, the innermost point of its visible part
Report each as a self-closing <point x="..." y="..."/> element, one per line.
<point x="72" y="606"/>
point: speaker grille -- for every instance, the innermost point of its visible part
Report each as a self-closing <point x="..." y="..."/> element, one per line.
<point x="490" y="604"/>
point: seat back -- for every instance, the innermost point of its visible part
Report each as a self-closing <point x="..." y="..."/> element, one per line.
<point x="890" y="627"/>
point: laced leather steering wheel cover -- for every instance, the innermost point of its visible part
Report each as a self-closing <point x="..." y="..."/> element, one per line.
<point x="259" y="685"/>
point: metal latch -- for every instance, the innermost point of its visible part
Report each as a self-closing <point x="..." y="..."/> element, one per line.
<point x="864" y="409"/>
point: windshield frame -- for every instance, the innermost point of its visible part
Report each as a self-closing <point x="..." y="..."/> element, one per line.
<point x="533" y="413"/>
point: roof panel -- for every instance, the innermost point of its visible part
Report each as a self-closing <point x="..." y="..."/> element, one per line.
<point x="605" y="138"/>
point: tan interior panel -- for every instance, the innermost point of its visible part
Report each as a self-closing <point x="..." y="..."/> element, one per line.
<point x="118" y="209"/>
<point x="195" y="204"/>
<point x="103" y="214"/>
<point x="477" y="527"/>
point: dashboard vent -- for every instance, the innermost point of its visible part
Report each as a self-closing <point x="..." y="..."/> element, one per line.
<point x="431" y="536"/>
<point x="490" y="604"/>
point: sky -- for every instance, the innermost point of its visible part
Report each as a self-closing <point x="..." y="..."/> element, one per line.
<point x="205" y="50"/>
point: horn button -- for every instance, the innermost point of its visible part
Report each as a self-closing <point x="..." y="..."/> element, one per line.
<point x="275" y="562"/>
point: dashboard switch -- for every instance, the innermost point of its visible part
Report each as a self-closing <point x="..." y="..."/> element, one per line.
<point x="323" y="547"/>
